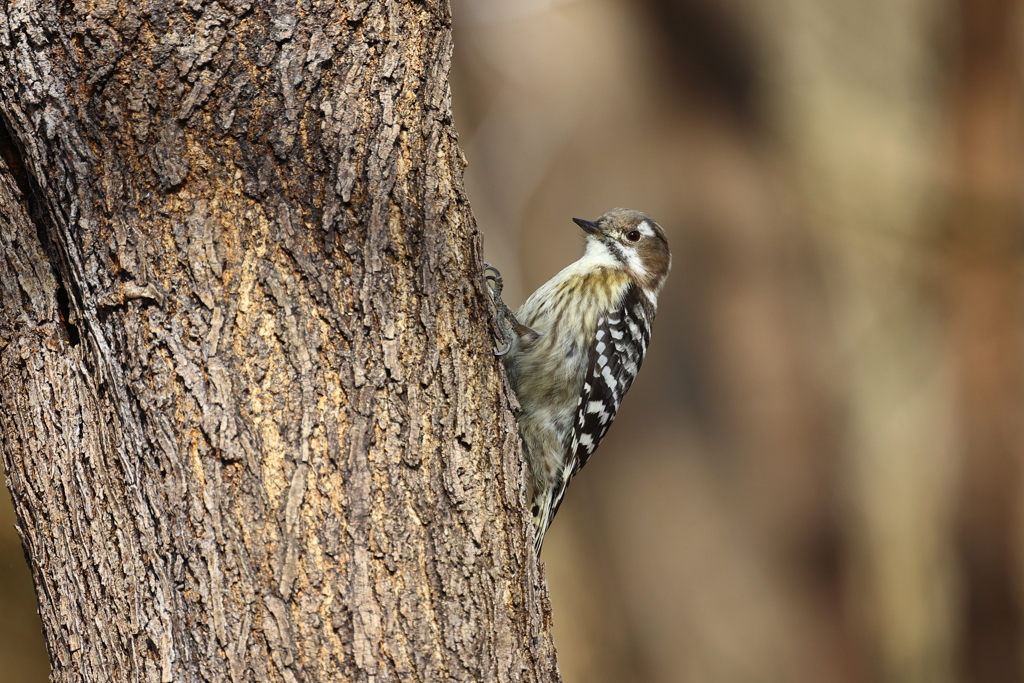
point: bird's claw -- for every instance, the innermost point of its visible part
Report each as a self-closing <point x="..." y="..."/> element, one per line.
<point x="494" y="284"/>
<point x="502" y="352"/>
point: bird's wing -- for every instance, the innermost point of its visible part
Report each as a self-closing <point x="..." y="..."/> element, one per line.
<point x="616" y="352"/>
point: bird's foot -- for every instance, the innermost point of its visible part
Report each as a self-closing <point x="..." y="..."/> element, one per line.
<point x="506" y="319"/>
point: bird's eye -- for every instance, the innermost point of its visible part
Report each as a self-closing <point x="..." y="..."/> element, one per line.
<point x="633" y="235"/>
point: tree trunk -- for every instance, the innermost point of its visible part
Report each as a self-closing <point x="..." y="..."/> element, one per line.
<point x="250" y="417"/>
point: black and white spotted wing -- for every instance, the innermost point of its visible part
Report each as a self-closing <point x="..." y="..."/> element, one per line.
<point x="620" y="343"/>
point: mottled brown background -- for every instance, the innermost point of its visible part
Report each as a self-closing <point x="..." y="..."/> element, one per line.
<point x="817" y="476"/>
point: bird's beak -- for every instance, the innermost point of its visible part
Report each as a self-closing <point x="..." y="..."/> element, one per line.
<point x="588" y="226"/>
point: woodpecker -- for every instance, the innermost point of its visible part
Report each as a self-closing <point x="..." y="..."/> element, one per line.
<point x="575" y="347"/>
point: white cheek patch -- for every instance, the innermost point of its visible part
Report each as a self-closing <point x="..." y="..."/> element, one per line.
<point x="634" y="263"/>
<point x="645" y="229"/>
<point x="651" y="296"/>
<point x="598" y="254"/>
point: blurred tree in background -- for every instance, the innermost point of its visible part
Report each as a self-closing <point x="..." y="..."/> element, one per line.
<point x="817" y="475"/>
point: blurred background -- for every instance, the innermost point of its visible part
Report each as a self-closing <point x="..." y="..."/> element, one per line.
<point x="817" y="476"/>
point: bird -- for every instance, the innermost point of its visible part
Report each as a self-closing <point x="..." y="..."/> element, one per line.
<point x="575" y="346"/>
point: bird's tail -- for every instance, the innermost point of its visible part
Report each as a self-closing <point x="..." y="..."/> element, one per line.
<point x="542" y="515"/>
<point x="544" y="506"/>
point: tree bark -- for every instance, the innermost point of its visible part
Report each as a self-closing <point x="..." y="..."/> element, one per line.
<point x="250" y="417"/>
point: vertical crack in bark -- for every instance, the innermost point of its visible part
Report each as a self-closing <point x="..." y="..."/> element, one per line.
<point x="29" y="189"/>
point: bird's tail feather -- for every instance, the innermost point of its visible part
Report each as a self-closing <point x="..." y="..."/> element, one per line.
<point x="545" y="504"/>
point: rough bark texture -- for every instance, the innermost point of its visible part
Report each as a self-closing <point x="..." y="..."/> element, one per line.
<point x="249" y="414"/>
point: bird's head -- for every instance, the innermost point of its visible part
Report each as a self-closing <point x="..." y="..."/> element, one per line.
<point x="632" y="241"/>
